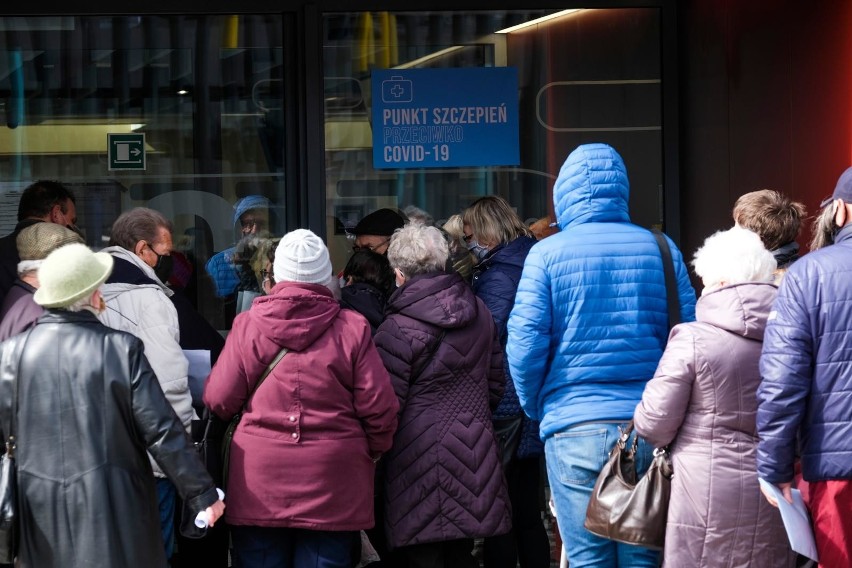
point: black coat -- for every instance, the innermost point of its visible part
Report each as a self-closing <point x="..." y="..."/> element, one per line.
<point x="89" y="406"/>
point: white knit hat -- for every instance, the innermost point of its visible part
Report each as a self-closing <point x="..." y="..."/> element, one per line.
<point x="301" y="256"/>
<point x="71" y="273"/>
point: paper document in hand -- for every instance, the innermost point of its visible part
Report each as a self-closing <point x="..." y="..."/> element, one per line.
<point x="199" y="369"/>
<point x="796" y="521"/>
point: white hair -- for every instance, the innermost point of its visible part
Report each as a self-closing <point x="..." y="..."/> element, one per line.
<point x="734" y="256"/>
<point x="418" y="249"/>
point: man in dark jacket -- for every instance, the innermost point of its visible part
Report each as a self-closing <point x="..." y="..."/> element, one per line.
<point x="43" y="201"/>
<point x="806" y="382"/>
<point x="88" y="408"/>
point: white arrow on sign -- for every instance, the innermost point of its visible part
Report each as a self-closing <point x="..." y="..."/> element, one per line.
<point x="136" y="151"/>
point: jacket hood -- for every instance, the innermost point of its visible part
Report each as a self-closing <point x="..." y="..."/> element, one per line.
<point x="437" y="298"/>
<point x="741" y="308"/>
<point x="248" y="203"/>
<point x="294" y="315"/>
<point x="592" y="187"/>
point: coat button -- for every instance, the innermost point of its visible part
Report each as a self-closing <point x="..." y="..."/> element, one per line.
<point x="294" y="435"/>
<point x="292" y="419"/>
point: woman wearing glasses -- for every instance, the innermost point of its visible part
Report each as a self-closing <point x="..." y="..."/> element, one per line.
<point x="499" y="239"/>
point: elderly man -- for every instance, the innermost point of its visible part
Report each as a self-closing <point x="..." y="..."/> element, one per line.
<point x="88" y="405"/>
<point x="19" y="312"/>
<point x="806" y="381"/>
<point x="138" y="302"/>
<point x="374" y="231"/>
<point x="43" y="201"/>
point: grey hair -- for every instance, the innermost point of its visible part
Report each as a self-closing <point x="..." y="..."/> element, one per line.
<point x="418" y="249"/>
<point x="138" y="224"/>
<point x="824" y="228"/>
<point x="81" y="304"/>
<point x="734" y="256"/>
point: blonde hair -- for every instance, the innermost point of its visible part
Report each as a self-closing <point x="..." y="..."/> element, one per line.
<point x="494" y="221"/>
<point x="824" y="228"/>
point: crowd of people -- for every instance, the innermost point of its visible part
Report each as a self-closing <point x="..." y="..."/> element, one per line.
<point x="411" y="409"/>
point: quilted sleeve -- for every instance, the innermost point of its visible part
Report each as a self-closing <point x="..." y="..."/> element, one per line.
<point x="375" y="403"/>
<point x="397" y="355"/>
<point x="528" y="346"/>
<point x="664" y="403"/>
<point x="786" y="371"/>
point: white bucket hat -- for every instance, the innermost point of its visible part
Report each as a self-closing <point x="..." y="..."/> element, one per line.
<point x="71" y="273"/>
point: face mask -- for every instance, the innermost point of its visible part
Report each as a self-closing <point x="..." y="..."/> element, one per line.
<point x="477" y="250"/>
<point x="163" y="268"/>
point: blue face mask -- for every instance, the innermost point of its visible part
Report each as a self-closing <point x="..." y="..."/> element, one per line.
<point x="477" y="250"/>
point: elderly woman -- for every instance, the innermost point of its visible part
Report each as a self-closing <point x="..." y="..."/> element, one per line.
<point x="494" y="232"/>
<point x="303" y="456"/>
<point x="702" y="402"/>
<point x="444" y="484"/>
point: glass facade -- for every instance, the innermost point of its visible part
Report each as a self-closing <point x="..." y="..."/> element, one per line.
<point x="206" y="91"/>
<point x="225" y="102"/>
<point x="583" y="76"/>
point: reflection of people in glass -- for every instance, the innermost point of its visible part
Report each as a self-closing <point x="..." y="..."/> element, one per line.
<point x="251" y="216"/>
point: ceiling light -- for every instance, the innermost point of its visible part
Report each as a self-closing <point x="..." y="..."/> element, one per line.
<point x="537" y="21"/>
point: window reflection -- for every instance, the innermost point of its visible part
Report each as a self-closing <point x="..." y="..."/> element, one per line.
<point x="584" y="76"/>
<point x="207" y="92"/>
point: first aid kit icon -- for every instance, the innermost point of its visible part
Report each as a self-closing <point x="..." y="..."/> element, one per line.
<point x="397" y="90"/>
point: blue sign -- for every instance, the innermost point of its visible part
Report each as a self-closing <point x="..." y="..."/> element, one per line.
<point x="437" y="118"/>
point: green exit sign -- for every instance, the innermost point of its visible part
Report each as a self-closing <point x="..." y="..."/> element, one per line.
<point x="126" y="151"/>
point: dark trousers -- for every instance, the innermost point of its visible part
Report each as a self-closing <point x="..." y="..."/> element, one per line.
<point x="444" y="554"/>
<point x="273" y="547"/>
<point x="527" y="541"/>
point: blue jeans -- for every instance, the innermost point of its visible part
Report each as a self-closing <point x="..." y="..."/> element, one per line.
<point x="274" y="547"/>
<point x="575" y="457"/>
<point x="166" y="503"/>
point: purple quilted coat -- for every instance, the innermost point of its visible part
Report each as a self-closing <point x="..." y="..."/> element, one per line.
<point x="444" y="479"/>
<point x="703" y="401"/>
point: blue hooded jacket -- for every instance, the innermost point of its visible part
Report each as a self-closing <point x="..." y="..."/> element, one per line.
<point x="590" y="319"/>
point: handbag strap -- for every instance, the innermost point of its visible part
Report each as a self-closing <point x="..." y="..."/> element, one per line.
<point x="671" y="283"/>
<point x="263" y="376"/>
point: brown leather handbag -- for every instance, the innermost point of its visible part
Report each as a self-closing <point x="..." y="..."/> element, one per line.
<point x="624" y="508"/>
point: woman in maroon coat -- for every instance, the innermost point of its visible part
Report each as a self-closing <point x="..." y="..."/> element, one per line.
<point x="303" y="456"/>
<point x="445" y="484"/>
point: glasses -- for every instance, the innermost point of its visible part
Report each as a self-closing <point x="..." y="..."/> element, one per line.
<point x="253" y="223"/>
<point x="371" y="248"/>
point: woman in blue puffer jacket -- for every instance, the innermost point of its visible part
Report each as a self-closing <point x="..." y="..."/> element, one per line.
<point x="499" y="239"/>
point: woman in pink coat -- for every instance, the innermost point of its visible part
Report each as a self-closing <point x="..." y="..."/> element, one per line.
<point x="303" y="456"/>
<point x="702" y="403"/>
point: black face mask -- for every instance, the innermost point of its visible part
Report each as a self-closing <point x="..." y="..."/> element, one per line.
<point x="163" y="268"/>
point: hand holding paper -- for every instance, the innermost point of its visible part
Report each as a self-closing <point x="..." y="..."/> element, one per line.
<point x="795" y="517"/>
<point x="209" y="516"/>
